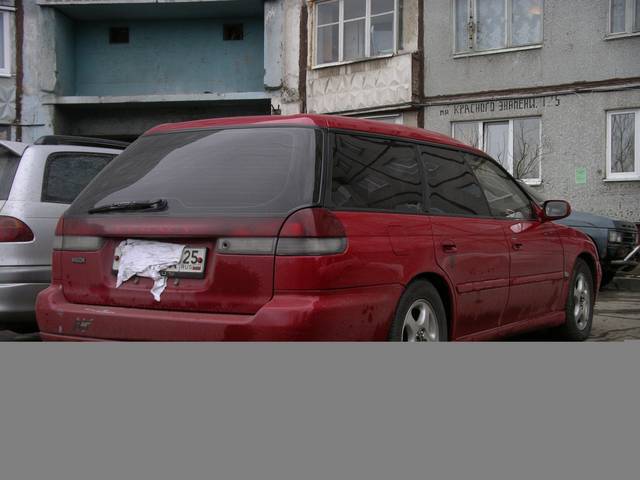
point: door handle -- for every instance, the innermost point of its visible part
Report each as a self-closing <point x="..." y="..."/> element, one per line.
<point x="517" y="245"/>
<point x="449" y="247"/>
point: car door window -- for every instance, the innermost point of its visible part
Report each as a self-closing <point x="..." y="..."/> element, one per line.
<point x="452" y="189"/>
<point x="8" y="166"/>
<point x="377" y="174"/>
<point x="505" y="198"/>
<point x="66" y="175"/>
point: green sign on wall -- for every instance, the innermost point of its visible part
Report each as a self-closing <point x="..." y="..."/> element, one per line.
<point x="581" y="176"/>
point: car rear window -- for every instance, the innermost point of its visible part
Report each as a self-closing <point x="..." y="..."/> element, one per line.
<point x="67" y="174"/>
<point x="8" y="166"/>
<point x="236" y="170"/>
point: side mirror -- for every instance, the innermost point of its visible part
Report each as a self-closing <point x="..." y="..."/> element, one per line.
<point x="556" y="210"/>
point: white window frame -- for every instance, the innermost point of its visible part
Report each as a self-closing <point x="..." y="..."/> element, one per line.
<point x="391" y="118"/>
<point x="509" y="167"/>
<point x="471" y="47"/>
<point x="367" y="37"/>
<point x="629" y="18"/>
<point x="5" y="70"/>
<point x="622" y="176"/>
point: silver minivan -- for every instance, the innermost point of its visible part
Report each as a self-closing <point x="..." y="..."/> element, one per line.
<point x="37" y="183"/>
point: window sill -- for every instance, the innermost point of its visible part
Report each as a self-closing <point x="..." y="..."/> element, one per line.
<point x="622" y="179"/>
<point x="5" y="75"/>
<point x="351" y="62"/>
<point x="497" y="51"/>
<point x="616" y="36"/>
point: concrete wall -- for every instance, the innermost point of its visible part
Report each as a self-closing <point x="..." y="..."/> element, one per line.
<point x="168" y="57"/>
<point x="574" y="136"/>
<point x="574" y="49"/>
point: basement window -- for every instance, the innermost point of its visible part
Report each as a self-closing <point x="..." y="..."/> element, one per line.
<point x="233" y="32"/>
<point x="119" y="35"/>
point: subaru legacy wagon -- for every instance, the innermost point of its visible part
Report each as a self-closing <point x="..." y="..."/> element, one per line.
<point x="312" y="228"/>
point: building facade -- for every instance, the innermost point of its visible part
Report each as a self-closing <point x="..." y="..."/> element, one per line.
<point x="550" y="88"/>
<point x="364" y="58"/>
<point x="8" y="70"/>
<point x="116" y="68"/>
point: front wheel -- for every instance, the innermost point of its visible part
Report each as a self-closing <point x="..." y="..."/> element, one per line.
<point x="420" y="316"/>
<point x="580" y="303"/>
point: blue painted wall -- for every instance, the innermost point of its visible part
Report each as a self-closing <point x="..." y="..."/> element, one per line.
<point x="168" y="57"/>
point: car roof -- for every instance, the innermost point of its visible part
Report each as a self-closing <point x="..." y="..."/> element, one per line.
<point x="17" y="148"/>
<point x="322" y="121"/>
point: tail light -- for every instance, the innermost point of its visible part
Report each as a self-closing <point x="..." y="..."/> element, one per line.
<point x="14" y="230"/>
<point x="311" y="231"/>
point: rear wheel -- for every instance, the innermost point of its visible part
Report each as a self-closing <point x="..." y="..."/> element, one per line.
<point x="580" y="303"/>
<point x="420" y="316"/>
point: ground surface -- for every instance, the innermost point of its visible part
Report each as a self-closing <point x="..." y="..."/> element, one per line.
<point x="617" y="318"/>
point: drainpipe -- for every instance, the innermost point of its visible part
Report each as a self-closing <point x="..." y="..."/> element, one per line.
<point x="19" y="67"/>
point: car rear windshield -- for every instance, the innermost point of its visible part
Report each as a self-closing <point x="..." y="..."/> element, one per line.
<point x="237" y="170"/>
<point x="8" y="167"/>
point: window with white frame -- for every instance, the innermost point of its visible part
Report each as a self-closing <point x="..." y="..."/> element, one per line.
<point x="515" y="143"/>
<point x="623" y="136"/>
<point x="5" y="44"/>
<point x="624" y="16"/>
<point x="355" y="29"/>
<point x="484" y="25"/>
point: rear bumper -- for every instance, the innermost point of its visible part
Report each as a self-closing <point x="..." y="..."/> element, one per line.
<point x="345" y="315"/>
<point x="19" y="287"/>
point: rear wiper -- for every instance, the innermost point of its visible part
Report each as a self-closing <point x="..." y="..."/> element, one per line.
<point x="151" y="205"/>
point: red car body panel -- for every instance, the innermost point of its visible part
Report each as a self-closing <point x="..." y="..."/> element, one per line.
<point x="498" y="277"/>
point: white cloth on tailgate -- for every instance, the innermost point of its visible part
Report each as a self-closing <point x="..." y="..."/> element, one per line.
<point x="147" y="259"/>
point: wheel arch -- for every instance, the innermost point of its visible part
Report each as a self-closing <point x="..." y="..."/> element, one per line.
<point x="444" y="290"/>
<point x="591" y="263"/>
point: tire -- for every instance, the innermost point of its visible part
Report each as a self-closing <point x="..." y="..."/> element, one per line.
<point x="580" y="303"/>
<point x="420" y="315"/>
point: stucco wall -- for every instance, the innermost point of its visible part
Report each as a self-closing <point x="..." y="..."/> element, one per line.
<point x="574" y="136"/>
<point x="573" y="50"/>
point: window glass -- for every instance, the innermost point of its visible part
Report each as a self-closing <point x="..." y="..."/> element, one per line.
<point x="375" y="173"/>
<point x="491" y="24"/>
<point x="496" y="141"/>
<point x="328" y="12"/>
<point x="381" y="6"/>
<point x="355" y="9"/>
<point x="452" y="189"/>
<point x="354" y="46"/>
<point x="618" y="23"/>
<point x="268" y="171"/>
<point x="67" y="174"/>
<point x="622" y="142"/>
<point x="382" y="34"/>
<point x="505" y="199"/>
<point x="467" y="132"/>
<point x="328" y="44"/>
<point x="8" y="166"/>
<point x="527" y="150"/>
<point x="462" y="14"/>
<point x="526" y="22"/>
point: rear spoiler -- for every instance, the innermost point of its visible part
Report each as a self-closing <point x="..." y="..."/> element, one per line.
<point x="17" y="148"/>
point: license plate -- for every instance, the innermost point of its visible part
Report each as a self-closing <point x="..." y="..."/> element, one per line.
<point x="192" y="264"/>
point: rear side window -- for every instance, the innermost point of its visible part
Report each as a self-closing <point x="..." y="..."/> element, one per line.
<point x="8" y="166"/>
<point x="67" y="174"/>
<point x="261" y="170"/>
<point x="505" y="198"/>
<point x="452" y="189"/>
<point x="377" y="174"/>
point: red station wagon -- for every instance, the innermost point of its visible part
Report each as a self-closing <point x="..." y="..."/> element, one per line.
<point x="315" y="228"/>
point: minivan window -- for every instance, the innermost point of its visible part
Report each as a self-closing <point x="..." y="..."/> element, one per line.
<point x="452" y="189"/>
<point x="505" y="198"/>
<point x="374" y="173"/>
<point x="199" y="172"/>
<point x="67" y="174"/>
<point x="8" y="168"/>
